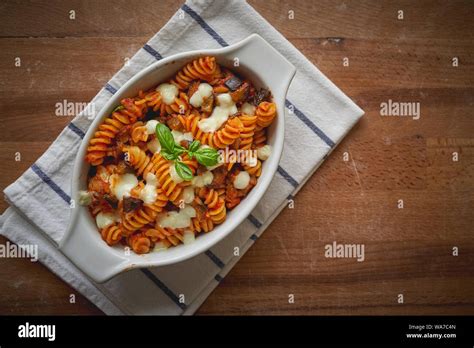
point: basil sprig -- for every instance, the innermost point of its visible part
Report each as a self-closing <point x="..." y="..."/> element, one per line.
<point x="171" y="151"/>
<point x="183" y="170"/>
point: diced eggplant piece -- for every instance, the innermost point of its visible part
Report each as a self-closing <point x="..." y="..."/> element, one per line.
<point x="112" y="159"/>
<point x="175" y="124"/>
<point x="92" y="171"/>
<point x="151" y="115"/>
<point x="219" y="177"/>
<point x="208" y="104"/>
<point x="131" y="204"/>
<point x="193" y="87"/>
<point x="231" y="196"/>
<point x="233" y="83"/>
<point x="261" y="95"/>
<point x="201" y="169"/>
<point x="240" y="94"/>
<point x="185" y="143"/>
<point x="200" y="209"/>
<point x="171" y="207"/>
<point x="111" y="200"/>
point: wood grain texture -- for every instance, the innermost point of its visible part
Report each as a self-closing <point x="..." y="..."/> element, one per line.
<point x="407" y="251"/>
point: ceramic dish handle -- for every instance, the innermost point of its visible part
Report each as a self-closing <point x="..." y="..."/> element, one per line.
<point x="272" y="67"/>
<point x="93" y="257"/>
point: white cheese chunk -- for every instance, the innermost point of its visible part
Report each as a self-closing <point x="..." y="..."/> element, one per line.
<point x="203" y="179"/>
<point x="168" y="92"/>
<point x="220" y="114"/>
<point x="84" y="197"/>
<point x="106" y="219"/>
<point x="151" y="126"/>
<point x="188" y="237"/>
<point x="121" y="185"/>
<point x="148" y="194"/>
<point x="248" y="109"/>
<point x="181" y="219"/>
<point x="242" y="180"/>
<point x="264" y="152"/>
<point x="188" y="194"/>
<point x="154" y="145"/>
<point x="160" y="246"/>
<point x="204" y="91"/>
<point x="174" y="175"/>
<point x="179" y="136"/>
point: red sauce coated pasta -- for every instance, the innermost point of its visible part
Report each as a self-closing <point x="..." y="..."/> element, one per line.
<point x="139" y="195"/>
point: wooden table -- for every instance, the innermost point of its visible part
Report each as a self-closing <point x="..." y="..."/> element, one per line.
<point x="353" y="197"/>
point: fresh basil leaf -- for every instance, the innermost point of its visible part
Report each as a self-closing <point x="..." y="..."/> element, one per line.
<point x="120" y="107"/>
<point x="179" y="150"/>
<point x="170" y="156"/>
<point x="183" y="170"/>
<point x="165" y="137"/>
<point x="207" y="156"/>
<point x="194" y="146"/>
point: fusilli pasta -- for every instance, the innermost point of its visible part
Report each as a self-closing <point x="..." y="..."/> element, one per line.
<point x="144" y="197"/>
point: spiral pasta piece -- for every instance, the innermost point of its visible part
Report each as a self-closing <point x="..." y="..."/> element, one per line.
<point x="259" y="137"/>
<point x="144" y="215"/>
<point x="254" y="170"/>
<point x="157" y="165"/>
<point x="229" y="134"/>
<point x="190" y="124"/>
<point x="140" y="243"/>
<point x="179" y="106"/>
<point x="265" y="112"/>
<point x="151" y="99"/>
<point x="139" y="132"/>
<point x="248" y="130"/>
<point x="168" y="235"/>
<point x="205" y="225"/>
<point x="103" y="138"/>
<point x="111" y="234"/>
<point x="223" y="138"/>
<point x="215" y="204"/>
<point x="204" y="68"/>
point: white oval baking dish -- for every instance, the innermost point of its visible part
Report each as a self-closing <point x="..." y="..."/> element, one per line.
<point x="82" y="242"/>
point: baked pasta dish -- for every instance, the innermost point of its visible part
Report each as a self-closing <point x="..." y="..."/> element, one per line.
<point x="170" y="163"/>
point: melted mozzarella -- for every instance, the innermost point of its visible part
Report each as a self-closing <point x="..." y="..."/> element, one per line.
<point x="84" y="198"/>
<point x="181" y="219"/>
<point x="179" y="136"/>
<point x="160" y="246"/>
<point x="188" y="237"/>
<point x="148" y="194"/>
<point x="204" y="91"/>
<point x="242" y="180"/>
<point x="264" y="152"/>
<point x="121" y="185"/>
<point x="174" y="175"/>
<point x="188" y="194"/>
<point x="168" y="92"/>
<point x="106" y="219"/>
<point x="154" y="145"/>
<point x="248" y="109"/>
<point x="203" y="179"/>
<point x="219" y="115"/>
<point x="151" y="126"/>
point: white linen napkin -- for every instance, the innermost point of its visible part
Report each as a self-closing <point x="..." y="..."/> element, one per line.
<point x="318" y="116"/>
